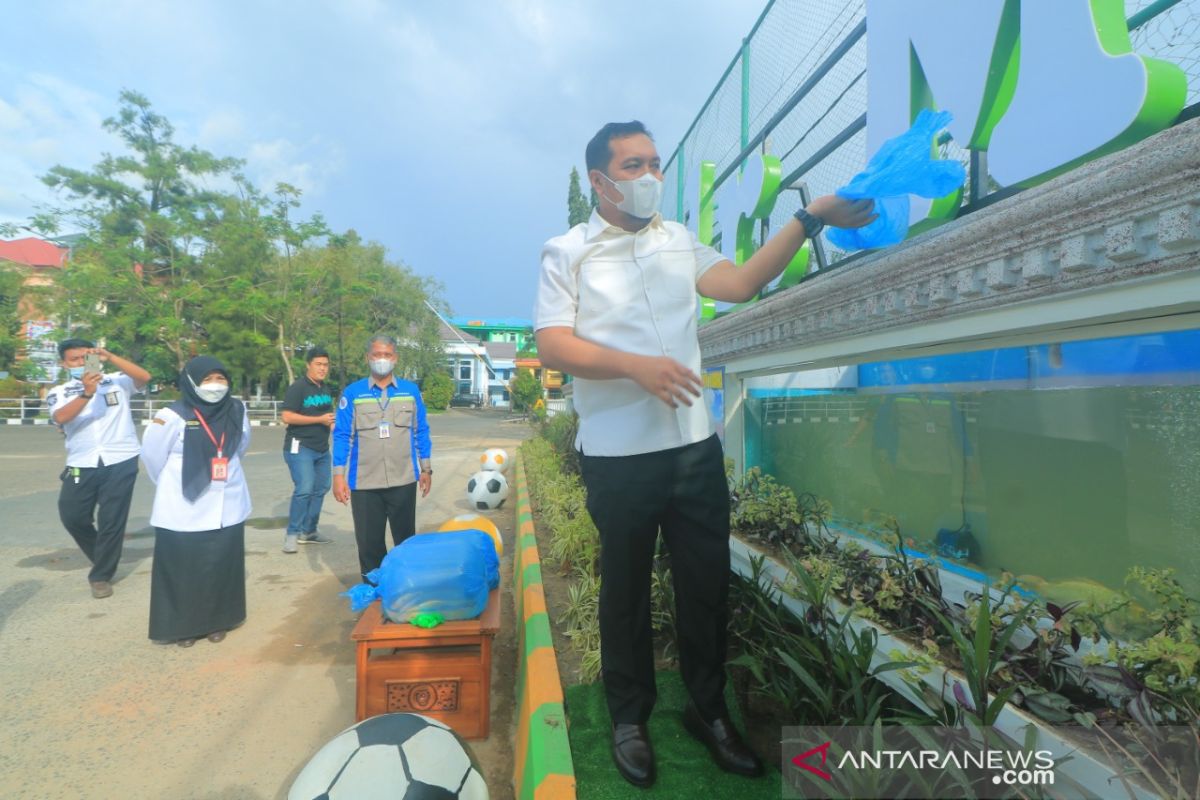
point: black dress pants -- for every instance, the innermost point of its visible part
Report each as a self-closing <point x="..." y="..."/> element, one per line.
<point x="683" y="493"/>
<point x="109" y="486"/>
<point x="373" y="510"/>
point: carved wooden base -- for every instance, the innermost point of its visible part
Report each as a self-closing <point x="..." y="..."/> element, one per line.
<point x="442" y="672"/>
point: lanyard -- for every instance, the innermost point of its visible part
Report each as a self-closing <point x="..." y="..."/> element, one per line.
<point x="213" y="439"/>
<point x="384" y="398"/>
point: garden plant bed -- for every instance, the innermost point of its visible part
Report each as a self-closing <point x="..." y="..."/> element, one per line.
<point x="964" y="651"/>
<point x="827" y="630"/>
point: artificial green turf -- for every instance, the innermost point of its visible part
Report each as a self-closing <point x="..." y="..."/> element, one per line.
<point x="684" y="767"/>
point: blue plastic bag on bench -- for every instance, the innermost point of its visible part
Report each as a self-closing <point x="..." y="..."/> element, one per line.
<point x="445" y="573"/>
<point x="904" y="165"/>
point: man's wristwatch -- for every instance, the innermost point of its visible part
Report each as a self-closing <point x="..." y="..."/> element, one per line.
<point x="812" y="223"/>
<point x="426" y="472"/>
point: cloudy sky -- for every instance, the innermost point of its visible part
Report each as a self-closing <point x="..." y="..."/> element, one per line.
<point x="444" y="130"/>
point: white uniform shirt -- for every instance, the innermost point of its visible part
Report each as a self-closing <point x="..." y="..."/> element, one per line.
<point x="634" y="292"/>
<point x="224" y="503"/>
<point x="104" y="429"/>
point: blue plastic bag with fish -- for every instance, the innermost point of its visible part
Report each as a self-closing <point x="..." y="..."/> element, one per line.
<point x="904" y="165"/>
<point x="447" y="573"/>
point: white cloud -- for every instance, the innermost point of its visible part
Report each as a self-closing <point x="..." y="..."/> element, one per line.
<point x="307" y="167"/>
<point x="221" y="127"/>
<point x="45" y="121"/>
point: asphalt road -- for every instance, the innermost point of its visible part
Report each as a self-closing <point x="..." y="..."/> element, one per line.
<point x="91" y="708"/>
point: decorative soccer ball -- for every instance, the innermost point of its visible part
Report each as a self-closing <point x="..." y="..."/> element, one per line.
<point x="392" y="756"/>
<point x="487" y="490"/>
<point x="475" y="522"/>
<point x="494" y="460"/>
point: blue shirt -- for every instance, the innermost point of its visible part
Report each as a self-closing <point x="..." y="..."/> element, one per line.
<point x="380" y="439"/>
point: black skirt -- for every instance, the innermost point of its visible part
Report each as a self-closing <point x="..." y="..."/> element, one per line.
<point x="198" y="582"/>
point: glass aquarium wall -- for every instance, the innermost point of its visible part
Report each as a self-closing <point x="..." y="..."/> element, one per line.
<point x="1064" y="464"/>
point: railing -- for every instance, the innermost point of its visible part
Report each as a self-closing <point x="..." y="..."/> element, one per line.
<point x="143" y="409"/>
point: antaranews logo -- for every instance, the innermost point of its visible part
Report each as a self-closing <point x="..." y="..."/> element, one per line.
<point x="900" y="761"/>
<point x="801" y="760"/>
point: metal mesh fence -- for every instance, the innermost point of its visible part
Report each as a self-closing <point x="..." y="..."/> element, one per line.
<point x="1172" y="35"/>
<point x="788" y="46"/>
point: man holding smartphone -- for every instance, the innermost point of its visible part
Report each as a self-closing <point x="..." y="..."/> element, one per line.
<point x="93" y="410"/>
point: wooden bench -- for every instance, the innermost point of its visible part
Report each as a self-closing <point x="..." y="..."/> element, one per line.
<point x="443" y="672"/>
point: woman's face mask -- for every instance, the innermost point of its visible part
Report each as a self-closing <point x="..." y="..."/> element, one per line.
<point x="212" y="392"/>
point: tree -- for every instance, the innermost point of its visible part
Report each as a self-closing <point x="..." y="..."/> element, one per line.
<point x="365" y="294"/>
<point x="577" y="207"/>
<point x="182" y="254"/>
<point x="140" y="279"/>
<point x="10" y="320"/>
<point x="525" y="390"/>
<point x="291" y="290"/>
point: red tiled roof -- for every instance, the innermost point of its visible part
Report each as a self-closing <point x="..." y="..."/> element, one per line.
<point x="33" y="252"/>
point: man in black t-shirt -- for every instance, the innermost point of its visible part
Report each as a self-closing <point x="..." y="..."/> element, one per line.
<point x="308" y="412"/>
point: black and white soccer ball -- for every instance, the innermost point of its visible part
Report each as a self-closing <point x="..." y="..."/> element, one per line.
<point x="392" y="756"/>
<point x="487" y="490"/>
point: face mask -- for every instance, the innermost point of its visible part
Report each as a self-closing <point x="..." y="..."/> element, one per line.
<point x="211" y="392"/>
<point x="382" y="366"/>
<point x="75" y="372"/>
<point x="642" y="196"/>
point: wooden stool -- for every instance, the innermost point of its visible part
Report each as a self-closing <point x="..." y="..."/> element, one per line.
<point x="443" y="672"/>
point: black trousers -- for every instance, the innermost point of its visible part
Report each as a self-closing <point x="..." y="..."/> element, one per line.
<point x="683" y="493"/>
<point x="109" y="486"/>
<point x="373" y="509"/>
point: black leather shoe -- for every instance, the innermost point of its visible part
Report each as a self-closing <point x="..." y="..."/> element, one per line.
<point x="633" y="754"/>
<point x="724" y="743"/>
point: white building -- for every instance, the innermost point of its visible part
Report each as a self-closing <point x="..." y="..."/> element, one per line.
<point x="468" y="360"/>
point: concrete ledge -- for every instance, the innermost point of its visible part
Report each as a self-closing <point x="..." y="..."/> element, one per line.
<point x="542" y="766"/>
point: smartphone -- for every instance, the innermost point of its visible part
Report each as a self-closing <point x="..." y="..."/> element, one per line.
<point x="91" y="363"/>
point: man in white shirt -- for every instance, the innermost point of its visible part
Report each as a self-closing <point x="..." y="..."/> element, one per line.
<point x="616" y="309"/>
<point x="93" y="410"/>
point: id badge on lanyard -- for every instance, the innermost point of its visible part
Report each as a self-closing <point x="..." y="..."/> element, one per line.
<point x="385" y="427"/>
<point x="220" y="464"/>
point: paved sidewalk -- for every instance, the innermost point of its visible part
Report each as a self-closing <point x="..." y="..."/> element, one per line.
<point x="92" y="708"/>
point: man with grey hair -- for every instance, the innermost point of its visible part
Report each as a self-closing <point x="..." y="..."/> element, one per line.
<point x="381" y="453"/>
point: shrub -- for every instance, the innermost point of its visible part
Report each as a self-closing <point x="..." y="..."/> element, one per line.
<point x="437" y="389"/>
<point x="525" y="390"/>
<point x="560" y="431"/>
<point x="560" y="501"/>
<point x="12" y="387"/>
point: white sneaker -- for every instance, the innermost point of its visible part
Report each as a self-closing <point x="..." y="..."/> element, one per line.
<point x="289" y="543"/>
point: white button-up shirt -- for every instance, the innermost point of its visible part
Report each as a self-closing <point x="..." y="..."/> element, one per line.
<point x="104" y="428"/>
<point x="223" y="503"/>
<point x="634" y="292"/>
